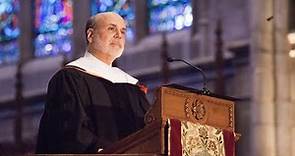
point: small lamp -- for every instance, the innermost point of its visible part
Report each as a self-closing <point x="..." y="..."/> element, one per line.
<point x="291" y="38"/>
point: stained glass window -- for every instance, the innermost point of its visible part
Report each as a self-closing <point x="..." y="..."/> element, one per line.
<point x="9" y="31"/>
<point x="169" y="15"/>
<point x="53" y="26"/>
<point x="125" y="8"/>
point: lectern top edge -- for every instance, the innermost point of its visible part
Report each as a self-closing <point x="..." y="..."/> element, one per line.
<point x="193" y="90"/>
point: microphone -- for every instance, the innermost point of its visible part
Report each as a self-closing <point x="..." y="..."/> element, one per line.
<point x="204" y="90"/>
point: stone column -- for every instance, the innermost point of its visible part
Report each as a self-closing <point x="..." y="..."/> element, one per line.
<point x="292" y="78"/>
<point x="26" y="52"/>
<point x="284" y="116"/>
<point x="201" y="26"/>
<point x="26" y="28"/>
<point x="81" y="13"/>
<point x="262" y="65"/>
<point x="196" y="14"/>
<point x="292" y="99"/>
<point x="141" y="20"/>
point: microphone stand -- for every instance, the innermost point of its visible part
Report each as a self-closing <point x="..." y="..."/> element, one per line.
<point x="204" y="90"/>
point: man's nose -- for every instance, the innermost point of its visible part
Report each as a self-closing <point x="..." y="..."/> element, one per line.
<point x="118" y="34"/>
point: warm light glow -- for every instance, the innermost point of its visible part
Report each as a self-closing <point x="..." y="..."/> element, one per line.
<point x="292" y="53"/>
<point x="291" y="38"/>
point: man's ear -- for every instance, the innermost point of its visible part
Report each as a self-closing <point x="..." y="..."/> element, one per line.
<point x="90" y="35"/>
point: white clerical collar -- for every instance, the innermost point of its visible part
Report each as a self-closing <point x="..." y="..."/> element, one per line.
<point x="96" y="67"/>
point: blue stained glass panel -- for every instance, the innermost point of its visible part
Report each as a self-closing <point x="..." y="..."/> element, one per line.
<point x="9" y="31"/>
<point x="9" y="52"/>
<point x="125" y="8"/>
<point x="169" y="15"/>
<point x="53" y="26"/>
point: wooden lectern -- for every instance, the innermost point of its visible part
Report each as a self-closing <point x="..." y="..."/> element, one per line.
<point x="176" y="102"/>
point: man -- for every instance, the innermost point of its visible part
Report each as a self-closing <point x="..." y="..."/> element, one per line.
<point x="91" y="104"/>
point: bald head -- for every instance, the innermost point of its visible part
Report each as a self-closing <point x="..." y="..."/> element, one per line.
<point x="105" y="34"/>
<point x="102" y="17"/>
<point x="97" y="20"/>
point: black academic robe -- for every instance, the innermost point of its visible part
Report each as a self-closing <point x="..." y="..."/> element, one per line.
<point x="84" y="113"/>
